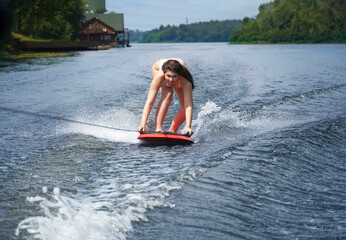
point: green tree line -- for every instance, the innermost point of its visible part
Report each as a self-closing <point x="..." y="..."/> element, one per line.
<point x="302" y="21"/>
<point x="5" y="22"/>
<point x="52" y="19"/>
<point x="212" y="31"/>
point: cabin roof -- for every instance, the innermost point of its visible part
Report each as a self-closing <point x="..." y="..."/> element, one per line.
<point x="115" y="21"/>
<point x="98" y="20"/>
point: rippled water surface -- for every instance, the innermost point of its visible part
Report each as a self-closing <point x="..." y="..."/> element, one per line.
<point x="268" y="160"/>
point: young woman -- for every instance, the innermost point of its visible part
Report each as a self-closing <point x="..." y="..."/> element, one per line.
<point x="169" y="75"/>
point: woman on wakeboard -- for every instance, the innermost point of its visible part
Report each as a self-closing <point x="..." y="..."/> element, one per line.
<point x="169" y="74"/>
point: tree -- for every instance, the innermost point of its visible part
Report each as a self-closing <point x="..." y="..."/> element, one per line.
<point x="6" y="21"/>
<point x="296" y="21"/>
<point x="58" y="19"/>
<point x="213" y="31"/>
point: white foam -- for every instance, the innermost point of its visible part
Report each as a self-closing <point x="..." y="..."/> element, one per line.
<point x="108" y="215"/>
<point x="66" y="218"/>
<point x="266" y="122"/>
<point x="107" y="211"/>
<point x="113" y="118"/>
<point x="212" y="117"/>
<point x="204" y="117"/>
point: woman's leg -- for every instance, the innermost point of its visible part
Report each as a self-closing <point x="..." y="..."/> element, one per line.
<point x="179" y="117"/>
<point x="162" y="107"/>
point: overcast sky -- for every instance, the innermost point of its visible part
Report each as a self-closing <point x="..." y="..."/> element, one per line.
<point x="150" y="14"/>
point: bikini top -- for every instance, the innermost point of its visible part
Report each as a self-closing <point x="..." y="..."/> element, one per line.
<point x="162" y="61"/>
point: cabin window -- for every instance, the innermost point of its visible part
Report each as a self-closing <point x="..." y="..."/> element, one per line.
<point x="97" y="27"/>
<point x="108" y="37"/>
<point x="90" y="26"/>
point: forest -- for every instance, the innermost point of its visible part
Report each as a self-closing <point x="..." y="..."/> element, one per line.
<point x="295" y="21"/>
<point x="53" y="19"/>
<point x="212" y="31"/>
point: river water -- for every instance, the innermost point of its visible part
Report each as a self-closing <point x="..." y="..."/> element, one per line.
<point x="268" y="160"/>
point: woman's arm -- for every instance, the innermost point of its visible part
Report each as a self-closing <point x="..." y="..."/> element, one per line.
<point x="154" y="88"/>
<point x="188" y="105"/>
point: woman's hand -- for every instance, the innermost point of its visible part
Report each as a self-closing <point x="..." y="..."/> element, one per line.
<point x="141" y="129"/>
<point x="189" y="130"/>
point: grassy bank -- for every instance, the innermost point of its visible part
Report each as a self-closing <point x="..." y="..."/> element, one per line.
<point x="11" y="53"/>
<point x="22" y="55"/>
<point x="24" y="38"/>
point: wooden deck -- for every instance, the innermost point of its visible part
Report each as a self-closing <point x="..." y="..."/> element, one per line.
<point x="58" y="46"/>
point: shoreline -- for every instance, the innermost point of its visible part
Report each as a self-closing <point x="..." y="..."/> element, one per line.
<point x="24" y="55"/>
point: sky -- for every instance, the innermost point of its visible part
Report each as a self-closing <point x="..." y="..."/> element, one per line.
<point x="149" y="14"/>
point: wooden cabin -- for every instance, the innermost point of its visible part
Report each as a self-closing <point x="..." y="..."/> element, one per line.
<point x="105" y="29"/>
<point x="95" y="30"/>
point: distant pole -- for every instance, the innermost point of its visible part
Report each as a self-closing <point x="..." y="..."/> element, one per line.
<point x="187" y="20"/>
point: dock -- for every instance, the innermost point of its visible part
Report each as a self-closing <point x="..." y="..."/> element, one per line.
<point x="59" y="46"/>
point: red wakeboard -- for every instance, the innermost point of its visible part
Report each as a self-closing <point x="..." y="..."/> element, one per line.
<point x="164" y="138"/>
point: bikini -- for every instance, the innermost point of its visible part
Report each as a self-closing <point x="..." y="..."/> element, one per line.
<point x="162" y="61"/>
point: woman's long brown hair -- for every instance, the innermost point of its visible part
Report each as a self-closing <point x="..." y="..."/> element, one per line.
<point x="177" y="67"/>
